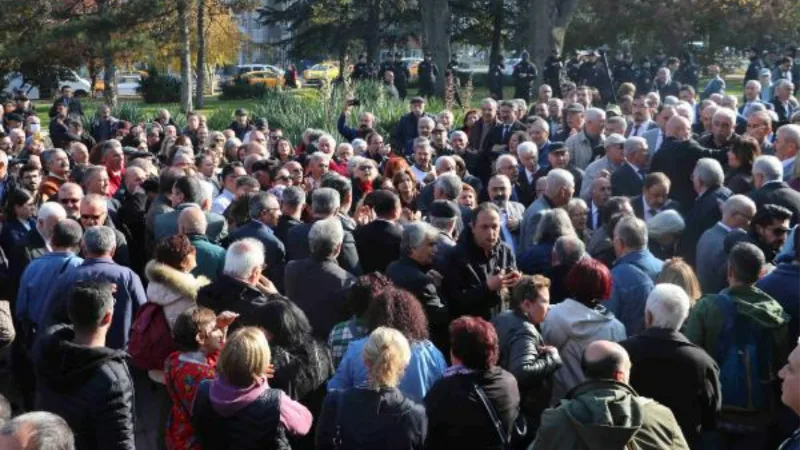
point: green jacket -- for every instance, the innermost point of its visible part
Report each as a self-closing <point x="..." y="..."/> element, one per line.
<point x="605" y="414"/>
<point x="210" y="257"/>
<point x="707" y="319"/>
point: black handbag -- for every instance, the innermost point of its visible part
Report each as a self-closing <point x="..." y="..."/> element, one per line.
<point x="519" y="430"/>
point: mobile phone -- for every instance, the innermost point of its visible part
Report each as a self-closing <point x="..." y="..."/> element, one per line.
<point x="354" y="102"/>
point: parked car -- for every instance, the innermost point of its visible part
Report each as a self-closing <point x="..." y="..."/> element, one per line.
<point x="270" y="77"/>
<point x="228" y="73"/>
<point x="128" y="84"/>
<point x="320" y="74"/>
<point x="81" y="87"/>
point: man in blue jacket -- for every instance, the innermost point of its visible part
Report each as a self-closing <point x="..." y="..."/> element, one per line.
<point x="366" y="121"/>
<point x="633" y="275"/>
<point x="98" y="246"/>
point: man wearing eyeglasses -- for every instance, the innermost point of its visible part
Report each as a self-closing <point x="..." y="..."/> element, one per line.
<point x="759" y="127"/>
<point x="771" y="189"/>
<point x="737" y="212"/>
<point x="769" y="230"/>
<point x="94" y="213"/>
<point x="70" y="196"/>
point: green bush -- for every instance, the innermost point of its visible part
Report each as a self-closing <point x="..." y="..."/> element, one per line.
<point x="240" y="89"/>
<point x="158" y="88"/>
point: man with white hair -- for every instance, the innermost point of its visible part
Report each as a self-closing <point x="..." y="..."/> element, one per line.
<point x="770" y="189"/>
<point x="424" y="130"/>
<point x="629" y="179"/>
<point x="737" y="212"/>
<point x="94" y="212"/>
<point x="752" y="96"/>
<point x="723" y="133"/>
<point x="264" y="212"/>
<point x="37" y="241"/>
<point x="560" y="189"/>
<point x="665" y="85"/>
<point x="511" y="212"/>
<point x="787" y="145"/>
<point x="98" y="248"/>
<point x="240" y="288"/>
<point x="528" y="155"/>
<point x="783" y="107"/>
<point x="633" y="275"/>
<point x="210" y="257"/>
<point x="605" y="166"/>
<point x="317" y="284"/>
<point x="581" y="145"/>
<point x="444" y="164"/>
<point x="671" y="370"/>
<point x="707" y="179"/>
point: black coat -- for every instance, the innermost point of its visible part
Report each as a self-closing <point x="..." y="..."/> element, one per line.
<point x="367" y="419"/>
<point x="32" y="246"/>
<point x="705" y="213"/>
<point x="739" y="181"/>
<point x="457" y="417"/>
<point x="407" y="274"/>
<point x="285" y="223"/>
<point x="90" y="388"/>
<point x="778" y="194"/>
<point x="468" y="267"/>
<point x="297" y="247"/>
<point x="257" y="426"/>
<point x="131" y="215"/>
<point x="526" y="192"/>
<point x="676" y="159"/>
<point x="275" y="252"/>
<point x="378" y="244"/>
<point x="625" y="181"/>
<point x="678" y="374"/>
<point x="229" y="294"/>
<point x="319" y="288"/>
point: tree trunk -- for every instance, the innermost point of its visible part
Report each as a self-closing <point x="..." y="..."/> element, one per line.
<point x="548" y="22"/>
<point x="497" y="31"/>
<point x="110" y="74"/>
<point x="186" y="59"/>
<point x="436" y="35"/>
<point x="201" y="53"/>
<point x="372" y="41"/>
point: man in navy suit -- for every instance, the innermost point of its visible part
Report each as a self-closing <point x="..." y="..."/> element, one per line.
<point x="654" y="197"/>
<point x="707" y="179"/>
<point x="265" y="211"/>
<point x="629" y="178"/>
<point x="497" y="141"/>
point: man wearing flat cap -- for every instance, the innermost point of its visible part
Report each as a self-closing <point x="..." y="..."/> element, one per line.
<point x="605" y="166"/>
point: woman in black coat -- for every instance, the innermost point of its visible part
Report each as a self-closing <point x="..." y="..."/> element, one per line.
<point x="301" y="363"/>
<point x="457" y="417"/>
<point x="20" y="209"/>
<point x="741" y="155"/>
<point x="375" y="416"/>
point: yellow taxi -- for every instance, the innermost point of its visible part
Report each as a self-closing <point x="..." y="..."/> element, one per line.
<point x="270" y="78"/>
<point x="320" y="74"/>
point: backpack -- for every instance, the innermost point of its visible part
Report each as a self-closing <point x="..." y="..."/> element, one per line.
<point x="150" y="339"/>
<point x="746" y="373"/>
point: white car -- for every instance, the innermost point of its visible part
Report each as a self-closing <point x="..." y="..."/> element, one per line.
<point x="81" y="87"/>
<point x="127" y="84"/>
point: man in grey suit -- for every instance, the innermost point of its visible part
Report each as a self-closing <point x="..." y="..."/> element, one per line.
<point x="655" y="136"/>
<point x="188" y="191"/>
<point x="737" y="211"/>
<point x="559" y="191"/>
<point x="511" y="212"/>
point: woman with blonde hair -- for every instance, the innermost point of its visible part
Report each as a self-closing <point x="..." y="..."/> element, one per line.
<point x="238" y="409"/>
<point x="375" y="415"/>
<point x="677" y="271"/>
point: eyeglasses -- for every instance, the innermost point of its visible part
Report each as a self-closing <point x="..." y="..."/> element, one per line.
<point x="69" y="200"/>
<point x="365" y="168"/>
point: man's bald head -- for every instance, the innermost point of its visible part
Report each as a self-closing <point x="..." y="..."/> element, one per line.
<point x="679" y="127"/>
<point x="192" y="220"/>
<point x="606" y="360"/>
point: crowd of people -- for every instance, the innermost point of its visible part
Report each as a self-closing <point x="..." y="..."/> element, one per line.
<point x="551" y="274"/>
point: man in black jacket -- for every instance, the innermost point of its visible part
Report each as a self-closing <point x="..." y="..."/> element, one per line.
<point x="677" y="158"/>
<point x="378" y="242"/>
<point x="707" y="181"/>
<point x="770" y="189"/>
<point x="82" y="380"/>
<point x="671" y="370"/>
<point x="480" y="267"/>
<point x="412" y="272"/>
<point x="241" y="288"/>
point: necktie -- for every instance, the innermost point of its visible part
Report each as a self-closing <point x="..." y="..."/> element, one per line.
<point x="505" y="131"/>
<point x="636" y="130"/>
